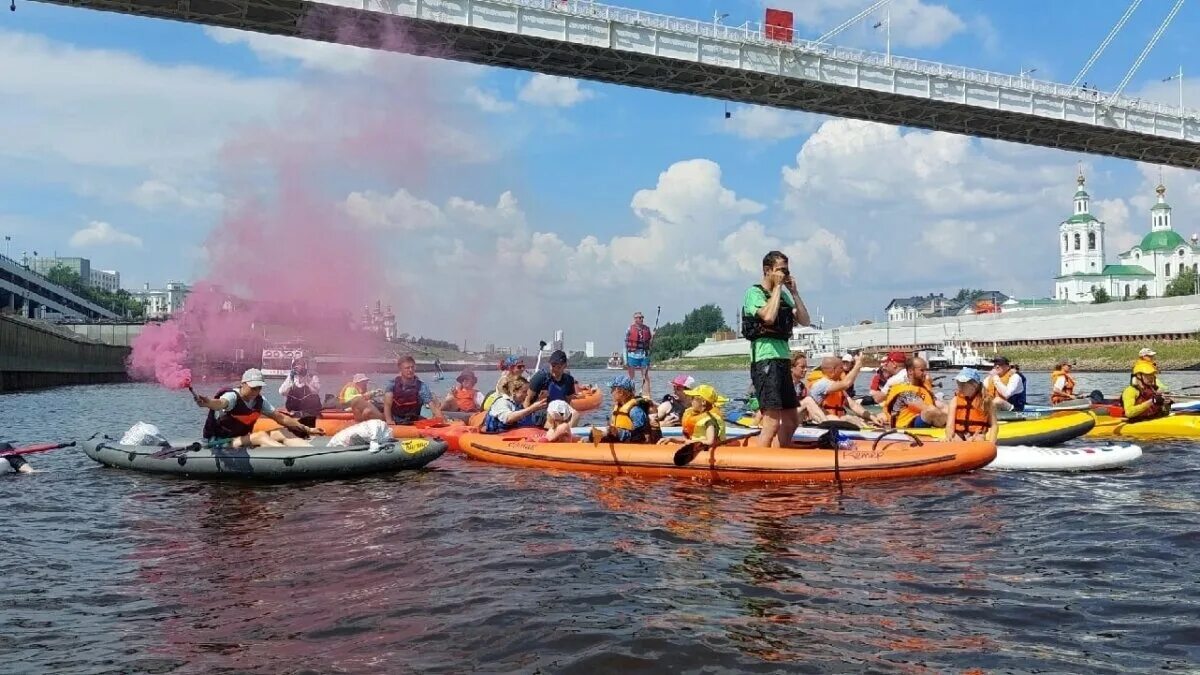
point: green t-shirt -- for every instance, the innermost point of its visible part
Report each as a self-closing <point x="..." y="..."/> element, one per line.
<point x="767" y="348"/>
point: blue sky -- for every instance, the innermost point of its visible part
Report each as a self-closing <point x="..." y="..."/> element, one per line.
<point x="121" y="120"/>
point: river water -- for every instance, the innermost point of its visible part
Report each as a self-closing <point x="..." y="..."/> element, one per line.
<point x="472" y="567"/>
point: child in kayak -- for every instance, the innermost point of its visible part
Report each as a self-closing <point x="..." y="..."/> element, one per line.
<point x="560" y="417"/>
<point x="701" y="422"/>
<point x="506" y="412"/>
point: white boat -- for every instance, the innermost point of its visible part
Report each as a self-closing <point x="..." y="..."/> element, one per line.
<point x="956" y="354"/>
<point x="615" y="362"/>
<point x="277" y="360"/>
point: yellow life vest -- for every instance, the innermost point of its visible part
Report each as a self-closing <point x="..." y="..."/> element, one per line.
<point x="349" y="393"/>
<point x="904" y="417"/>
<point x="621" y="420"/>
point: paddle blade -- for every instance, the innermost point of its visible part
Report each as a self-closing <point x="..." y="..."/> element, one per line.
<point x="685" y="455"/>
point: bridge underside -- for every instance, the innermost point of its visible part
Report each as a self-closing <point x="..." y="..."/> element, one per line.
<point x="375" y="30"/>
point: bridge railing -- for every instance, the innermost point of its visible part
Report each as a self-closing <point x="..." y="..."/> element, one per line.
<point x="753" y="33"/>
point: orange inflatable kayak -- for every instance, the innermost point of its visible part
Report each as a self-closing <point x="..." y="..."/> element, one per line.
<point x="587" y="398"/>
<point x="887" y="458"/>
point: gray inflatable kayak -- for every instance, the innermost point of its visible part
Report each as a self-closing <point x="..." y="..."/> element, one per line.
<point x="287" y="463"/>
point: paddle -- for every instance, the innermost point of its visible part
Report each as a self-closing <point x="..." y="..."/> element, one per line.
<point x="685" y="455"/>
<point x="7" y="450"/>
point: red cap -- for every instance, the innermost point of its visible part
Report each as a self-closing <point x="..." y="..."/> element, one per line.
<point x="897" y="357"/>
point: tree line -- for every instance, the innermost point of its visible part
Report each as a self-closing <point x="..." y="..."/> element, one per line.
<point x="120" y="302"/>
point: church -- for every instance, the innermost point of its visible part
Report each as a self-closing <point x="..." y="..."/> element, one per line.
<point x="1153" y="263"/>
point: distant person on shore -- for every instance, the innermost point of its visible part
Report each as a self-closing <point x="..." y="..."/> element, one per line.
<point x="770" y="309"/>
<point x="1006" y="385"/>
<point x="402" y="402"/>
<point x="464" y="396"/>
<point x="912" y="405"/>
<point x="892" y="364"/>
<point x="637" y="351"/>
<point x="355" y="397"/>
<point x="301" y="392"/>
<point x="1062" y="385"/>
<point x="808" y="411"/>
<point x="971" y="415"/>
<point x="829" y="393"/>
<point x="15" y="462"/>
<point x="1142" y="400"/>
<point x="506" y="412"/>
<point x="233" y="412"/>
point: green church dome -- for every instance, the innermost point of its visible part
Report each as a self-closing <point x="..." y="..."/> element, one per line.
<point x="1163" y="240"/>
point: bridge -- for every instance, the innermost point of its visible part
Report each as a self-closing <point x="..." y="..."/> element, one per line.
<point x="27" y="293"/>
<point x="589" y="40"/>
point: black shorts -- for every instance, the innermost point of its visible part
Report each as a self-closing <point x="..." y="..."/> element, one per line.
<point x="15" y="461"/>
<point x="773" y="384"/>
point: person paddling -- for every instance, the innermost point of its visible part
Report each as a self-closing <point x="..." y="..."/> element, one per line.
<point x="1142" y="400"/>
<point x="15" y="462"/>
<point x="637" y="351"/>
<point x="630" y="419"/>
<point x="233" y="412"/>
<point x="1006" y="385"/>
<point x="301" y="393"/>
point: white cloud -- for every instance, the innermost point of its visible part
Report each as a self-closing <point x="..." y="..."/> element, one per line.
<point x="155" y="194"/>
<point x="313" y="54"/>
<point x="761" y="123"/>
<point x="99" y="233"/>
<point x="553" y="92"/>
<point x="399" y="211"/>
<point x="487" y="101"/>
<point x="1119" y="232"/>
<point x="915" y="23"/>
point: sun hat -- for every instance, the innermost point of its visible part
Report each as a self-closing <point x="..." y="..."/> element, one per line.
<point x="465" y="375"/>
<point x="685" y="381"/>
<point x="622" y="382"/>
<point x="253" y="377"/>
<point x="560" y="409"/>
<point x="707" y="393"/>
<point x="1146" y="351"/>
<point x="969" y="375"/>
<point x="360" y="377"/>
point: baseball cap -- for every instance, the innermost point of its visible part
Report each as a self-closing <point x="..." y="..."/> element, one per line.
<point x="622" y="382"/>
<point x="847" y="357"/>
<point x="707" y="393"/>
<point x="685" y="381"/>
<point x="466" y="374"/>
<point x="360" y="377"/>
<point x="968" y="375"/>
<point x="896" y="357"/>
<point x="1001" y="361"/>
<point x="253" y="377"/>
<point x="559" y="409"/>
<point x="513" y="360"/>
<point x="558" y="357"/>
<point x="1146" y="351"/>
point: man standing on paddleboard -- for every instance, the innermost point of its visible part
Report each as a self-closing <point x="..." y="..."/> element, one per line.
<point x="770" y="309"/>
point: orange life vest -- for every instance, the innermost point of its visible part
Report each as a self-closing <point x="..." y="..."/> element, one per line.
<point x="970" y="417"/>
<point x="834" y="404"/>
<point x="901" y="416"/>
<point x="464" y="398"/>
<point x="1068" y="390"/>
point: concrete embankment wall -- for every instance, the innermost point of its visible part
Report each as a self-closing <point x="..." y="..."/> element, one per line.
<point x="35" y="355"/>
<point x="1159" y="319"/>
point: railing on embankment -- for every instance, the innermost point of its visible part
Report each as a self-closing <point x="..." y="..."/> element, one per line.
<point x="35" y="355"/>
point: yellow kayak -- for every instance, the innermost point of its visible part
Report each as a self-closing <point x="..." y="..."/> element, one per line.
<point x="1051" y="430"/>
<point x="1047" y="431"/>
<point x="1171" y="426"/>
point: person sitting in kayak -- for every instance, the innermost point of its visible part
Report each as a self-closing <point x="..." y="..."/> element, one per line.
<point x="1006" y="385"/>
<point x="506" y="412"/>
<point x="1062" y="385"/>
<point x="16" y="462"/>
<point x="555" y="384"/>
<point x="894" y="363"/>
<point x="702" y="420"/>
<point x="233" y="412"/>
<point x="630" y="420"/>
<point x="972" y="414"/>
<point x="356" y="398"/>
<point x="912" y="405"/>
<point x="1142" y="400"/>
<point x="301" y="392"/>
<point x="512" y="367"/>
<point x="560" y="417"/>
<point x="464" y="397"/>
<point x="402" y="402"/>
<point x="829" y="392"/>
<point x="809" y="411"/>
<point x="670" y="410"/>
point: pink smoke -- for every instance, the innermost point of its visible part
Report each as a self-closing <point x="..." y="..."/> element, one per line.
<point x="286" y="262"/>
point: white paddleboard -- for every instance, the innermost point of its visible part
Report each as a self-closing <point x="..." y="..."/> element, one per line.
<point x="1091" y="458"/>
